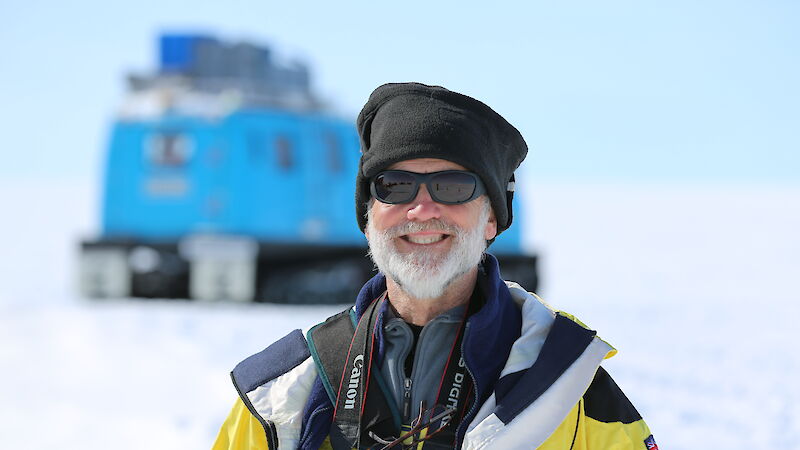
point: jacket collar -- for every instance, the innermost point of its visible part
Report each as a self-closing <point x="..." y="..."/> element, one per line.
<point x="490" y="334"/>
<point x="373" y="289"/>
<point x="491" y="331"/>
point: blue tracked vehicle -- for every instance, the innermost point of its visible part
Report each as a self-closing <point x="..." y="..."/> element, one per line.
<point x="226" y="178"/>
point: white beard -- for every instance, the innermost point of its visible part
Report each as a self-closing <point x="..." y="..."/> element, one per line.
<point x="424" y="274"/>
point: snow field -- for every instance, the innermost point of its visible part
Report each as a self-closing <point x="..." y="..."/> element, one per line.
<point x="695" y="285"/>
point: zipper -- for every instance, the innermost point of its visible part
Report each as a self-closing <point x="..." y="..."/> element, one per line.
<point x="408" y="405"/>
<point x="415" y="366"/>
<point x="406" y="398"/>
<point x="404" y="378"/>
<point x="414" y="370"/>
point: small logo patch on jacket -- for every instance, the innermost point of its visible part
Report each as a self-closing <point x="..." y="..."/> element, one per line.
<point x="650" y="443"/>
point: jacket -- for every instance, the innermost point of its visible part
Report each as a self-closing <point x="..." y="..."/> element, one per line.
<point x="537" y="376"/>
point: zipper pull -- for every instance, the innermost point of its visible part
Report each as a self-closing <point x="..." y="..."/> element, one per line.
<point x="407" y="399"/>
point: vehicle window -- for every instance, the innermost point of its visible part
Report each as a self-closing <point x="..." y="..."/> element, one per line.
<point x="284" y="152"/>
<point x="169" y="149"/>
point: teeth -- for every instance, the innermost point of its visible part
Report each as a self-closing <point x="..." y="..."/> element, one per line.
<point x="427" y="239"/>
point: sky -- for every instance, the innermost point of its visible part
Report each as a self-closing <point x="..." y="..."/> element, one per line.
<point x="680" y="91"/>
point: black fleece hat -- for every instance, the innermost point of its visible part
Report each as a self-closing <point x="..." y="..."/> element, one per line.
<point x="404" y="121"/>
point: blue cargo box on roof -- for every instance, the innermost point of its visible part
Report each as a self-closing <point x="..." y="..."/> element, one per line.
<point x="178" y="52"/>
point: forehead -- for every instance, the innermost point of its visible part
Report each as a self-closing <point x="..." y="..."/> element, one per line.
<point x="426" y="165"/>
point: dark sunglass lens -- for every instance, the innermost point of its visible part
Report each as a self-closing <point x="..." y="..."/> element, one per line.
<point x="452" y="187"/>
<point x="394" y="187"/>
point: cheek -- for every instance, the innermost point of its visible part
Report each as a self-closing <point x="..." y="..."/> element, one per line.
<point x="385" y="216"/>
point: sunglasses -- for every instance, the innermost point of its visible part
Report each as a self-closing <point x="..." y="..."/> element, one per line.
<point x="449" y="187"/>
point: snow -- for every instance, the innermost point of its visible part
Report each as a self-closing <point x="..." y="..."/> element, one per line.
<point x="695" y="285"/>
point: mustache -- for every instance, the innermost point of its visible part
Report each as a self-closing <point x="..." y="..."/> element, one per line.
<point x="428" y="225"/>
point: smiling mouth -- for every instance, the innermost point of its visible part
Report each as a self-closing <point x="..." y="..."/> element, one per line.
<point x="424" y="239"/>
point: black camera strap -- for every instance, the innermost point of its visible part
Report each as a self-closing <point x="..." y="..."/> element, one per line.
<point x="356" y="413"/>
<point x="362" y="416"/>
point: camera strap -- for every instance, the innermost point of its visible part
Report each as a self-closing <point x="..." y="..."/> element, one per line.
<point x="343" y="350"/>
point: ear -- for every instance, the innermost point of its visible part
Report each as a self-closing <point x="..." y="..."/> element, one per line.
<point x="490" y="231"/>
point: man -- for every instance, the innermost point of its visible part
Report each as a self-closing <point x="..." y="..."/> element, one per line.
<point x="438" y="352"/>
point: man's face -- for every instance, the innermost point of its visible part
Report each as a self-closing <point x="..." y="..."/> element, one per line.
<point x="424" y="245"/>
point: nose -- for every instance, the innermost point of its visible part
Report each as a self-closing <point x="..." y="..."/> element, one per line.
<point x="423" y="207"/>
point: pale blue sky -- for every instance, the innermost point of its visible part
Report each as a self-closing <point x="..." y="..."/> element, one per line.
<point x="602" y="91"/>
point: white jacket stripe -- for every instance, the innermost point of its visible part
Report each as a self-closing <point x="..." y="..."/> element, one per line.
<point x="283" y="400"/>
